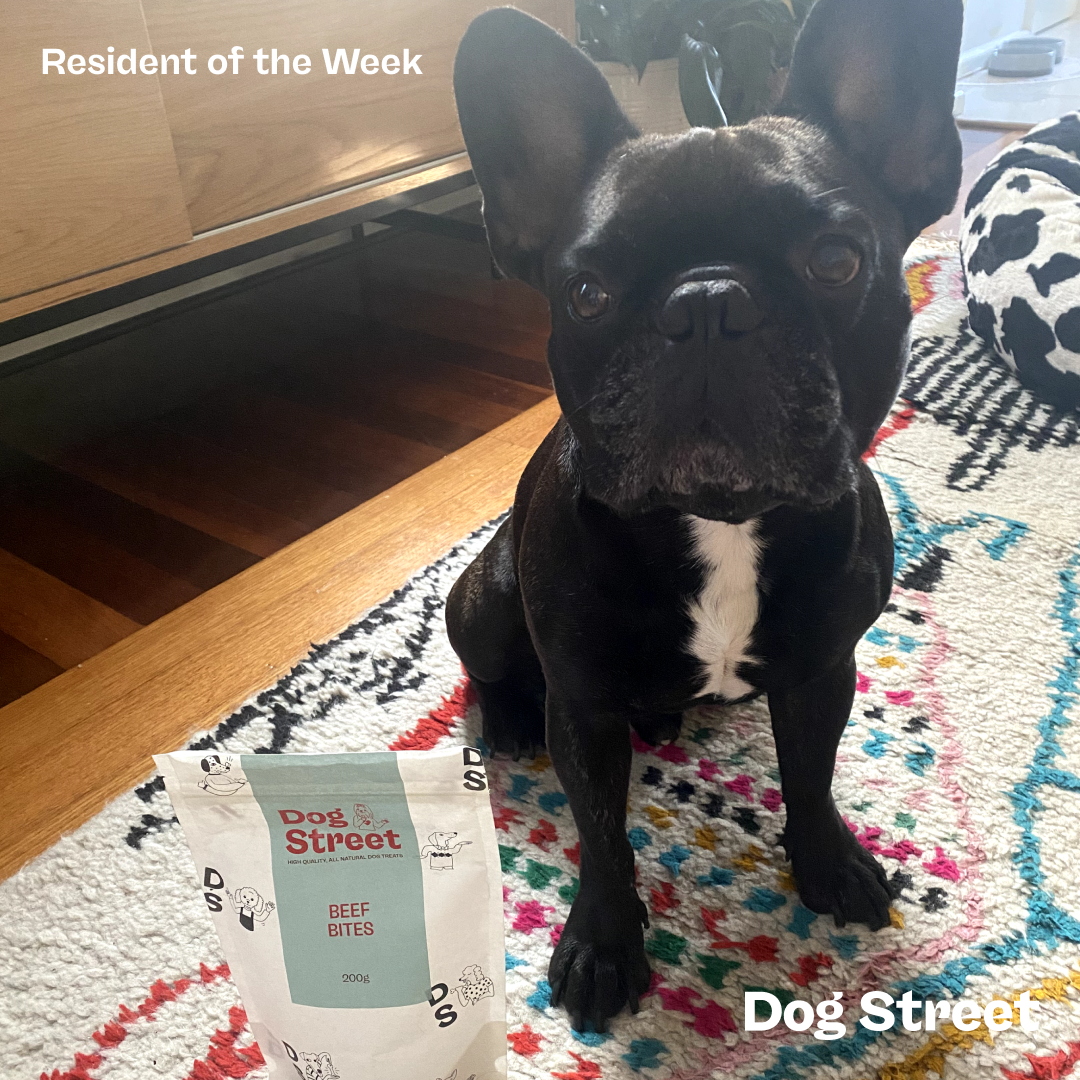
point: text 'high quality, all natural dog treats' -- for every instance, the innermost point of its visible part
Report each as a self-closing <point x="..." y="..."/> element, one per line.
<point x="358" y="900"/>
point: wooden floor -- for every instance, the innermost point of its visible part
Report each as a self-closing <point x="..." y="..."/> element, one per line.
<point x="159" y="568"/>
<point x="111" y="532"/>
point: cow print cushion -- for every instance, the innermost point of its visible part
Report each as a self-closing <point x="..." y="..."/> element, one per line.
<point x="1020" y="241"/>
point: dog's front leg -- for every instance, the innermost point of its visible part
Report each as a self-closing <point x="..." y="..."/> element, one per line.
<point x="599" y="964"/>
<point x="834" y="873"/>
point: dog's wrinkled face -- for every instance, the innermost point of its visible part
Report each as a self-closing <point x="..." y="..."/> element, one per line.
<point x="729" y="316"/>
<point x="706" y="300"/>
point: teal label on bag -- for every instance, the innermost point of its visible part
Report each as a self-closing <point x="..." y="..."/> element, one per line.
<point x="347" y="878"/>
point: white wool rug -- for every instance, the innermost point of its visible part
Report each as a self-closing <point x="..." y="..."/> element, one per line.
<point x="960" y="769"/>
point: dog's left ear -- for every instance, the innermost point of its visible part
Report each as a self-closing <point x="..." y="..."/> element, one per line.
<point x="538" y="119"/>
<point x="880" y="75"/>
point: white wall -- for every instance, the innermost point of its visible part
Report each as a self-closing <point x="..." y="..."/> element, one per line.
<point x="988" y="22"/>
<point x="985" y="22"/>
<point x="1045" y="13"/>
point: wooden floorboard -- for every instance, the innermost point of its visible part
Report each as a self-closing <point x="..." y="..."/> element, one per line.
<point x="454" y="319"/>
<point x="105" y="572"/>
<point x="21" y="670"/>
<point x="392" y="409"/>
<point x="313" y="404"/>
<point x="37" y="490"/>
<point x="87" y="736"/>
<point x="192" y="499"/>
<point x="52" y="618"/>
<point x="281" y="491"/>
<point x="398" y="342"/>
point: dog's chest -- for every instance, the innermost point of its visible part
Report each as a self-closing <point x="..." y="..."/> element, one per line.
<point x="725" y="611"/>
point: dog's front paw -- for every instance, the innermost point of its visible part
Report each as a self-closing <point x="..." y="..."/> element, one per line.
<point x="599" y="964"/>
<point x="513" y="718"/>
<point x="657" y="728"/>
<point x="836" y="876"/>
<point x="514" y="744"/>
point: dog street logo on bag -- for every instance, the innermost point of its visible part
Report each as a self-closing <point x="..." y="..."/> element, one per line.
<point x="319" y="842"/>
<point x="218" y="780"/>
<point x="250" y="906"/>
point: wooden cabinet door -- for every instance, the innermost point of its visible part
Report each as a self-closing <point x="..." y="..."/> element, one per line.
<point x="247" y="143"/>
<point x="88" y="178"/>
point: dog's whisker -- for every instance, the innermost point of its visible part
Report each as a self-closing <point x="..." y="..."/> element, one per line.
<point x="587" y="402"/>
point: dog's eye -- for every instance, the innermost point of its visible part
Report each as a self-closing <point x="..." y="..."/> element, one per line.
<point x="833" y="262"/>
<point x="588" y="299"/>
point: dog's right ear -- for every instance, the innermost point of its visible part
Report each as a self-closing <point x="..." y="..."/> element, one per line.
<point x="538" y="119"/>
<point x="880" y="76"/>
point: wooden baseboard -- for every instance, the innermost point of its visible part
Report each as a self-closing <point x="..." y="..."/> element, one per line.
<point x="85" y="737"/>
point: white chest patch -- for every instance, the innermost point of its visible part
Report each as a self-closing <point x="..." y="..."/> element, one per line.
<point x="726" y="609"/>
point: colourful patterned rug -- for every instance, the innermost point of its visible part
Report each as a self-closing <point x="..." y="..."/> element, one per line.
<point x="959" y="769"/>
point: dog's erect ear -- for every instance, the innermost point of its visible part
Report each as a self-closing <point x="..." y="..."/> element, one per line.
<point x="880" y="75"/>
<point x="538" y="119"/>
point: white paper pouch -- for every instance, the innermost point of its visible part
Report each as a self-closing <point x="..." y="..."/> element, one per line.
<point x="358" y="899"/>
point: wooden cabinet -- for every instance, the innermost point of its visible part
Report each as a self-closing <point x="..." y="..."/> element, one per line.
<point x="247" y="143"/>
<point x="97" y="172"/>
<point x="87" y="173"/>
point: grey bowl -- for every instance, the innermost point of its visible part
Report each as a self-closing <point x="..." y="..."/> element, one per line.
<point x="1021" y="65"/>
<point x="1037" y="44"/>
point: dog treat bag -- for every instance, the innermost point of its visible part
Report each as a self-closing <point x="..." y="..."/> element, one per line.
<point x="358" y="900"/>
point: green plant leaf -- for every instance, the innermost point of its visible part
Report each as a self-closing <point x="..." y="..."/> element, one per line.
<point x="700" y="79"/>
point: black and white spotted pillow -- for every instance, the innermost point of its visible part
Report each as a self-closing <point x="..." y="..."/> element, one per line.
<point x="1020" y="242"/>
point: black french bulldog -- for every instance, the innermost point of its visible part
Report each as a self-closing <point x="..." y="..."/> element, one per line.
<point x="730" y="325"/>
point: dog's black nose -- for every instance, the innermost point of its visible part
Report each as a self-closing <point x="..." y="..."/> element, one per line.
<point x="710" y="308"/>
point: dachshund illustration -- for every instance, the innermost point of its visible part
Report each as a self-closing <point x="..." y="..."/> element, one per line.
<point x="439" y="853"/>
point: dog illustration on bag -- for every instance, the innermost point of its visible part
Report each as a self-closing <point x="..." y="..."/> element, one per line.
<point x="439" y="852"/>
<point x="316" y="1067"/>
<point x="364" y="818"/>
<point x="217" y="780"/>
<point x="474" y="986"/>
<point x="453" y="1076"/>
<point x="250" y="906"/>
